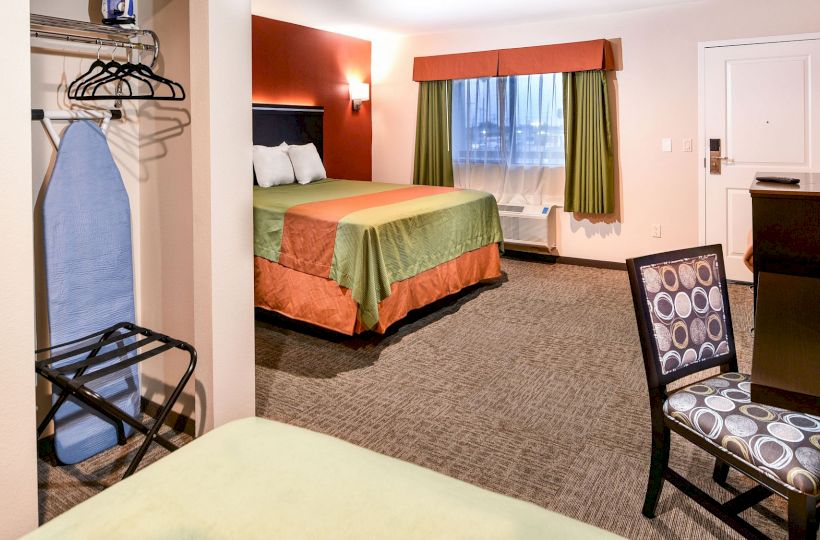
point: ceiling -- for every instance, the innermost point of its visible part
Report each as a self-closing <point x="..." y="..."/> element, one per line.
<point x="368" y="18"/>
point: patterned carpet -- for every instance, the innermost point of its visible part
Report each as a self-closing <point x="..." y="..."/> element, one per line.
<point x="533" y="388"/>
<point x="65" y="486"/>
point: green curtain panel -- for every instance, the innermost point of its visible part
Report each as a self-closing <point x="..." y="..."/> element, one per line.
<point x="590" y="170"/>
<point x="434" y="156"/>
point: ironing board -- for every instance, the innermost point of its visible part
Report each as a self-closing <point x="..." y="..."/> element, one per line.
<point x="89" y="278"/>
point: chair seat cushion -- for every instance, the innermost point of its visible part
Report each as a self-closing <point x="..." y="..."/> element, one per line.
<point x="780" y="443"/>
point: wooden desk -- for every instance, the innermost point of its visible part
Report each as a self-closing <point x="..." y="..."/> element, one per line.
<point x="786" y="226"/>
<point x="786" y="235"/>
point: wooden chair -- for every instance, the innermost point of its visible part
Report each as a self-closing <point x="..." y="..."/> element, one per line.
<point x="685" y="325"/>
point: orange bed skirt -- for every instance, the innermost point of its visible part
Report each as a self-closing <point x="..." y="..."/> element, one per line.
<point x="325" y="303"/>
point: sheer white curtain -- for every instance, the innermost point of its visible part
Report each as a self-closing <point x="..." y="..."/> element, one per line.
<point x="508" y="137"/>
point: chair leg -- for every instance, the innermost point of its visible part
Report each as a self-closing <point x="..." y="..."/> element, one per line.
<point x="660" y="461"/>
<point x="802" y="517"/>
<point x="721" y="472"/>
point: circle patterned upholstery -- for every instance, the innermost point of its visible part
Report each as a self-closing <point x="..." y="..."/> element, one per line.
<point x="780" y="443"/>
<point x="686" y="309"/>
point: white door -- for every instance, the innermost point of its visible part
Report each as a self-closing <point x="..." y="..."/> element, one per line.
<point x="762" y="101"/>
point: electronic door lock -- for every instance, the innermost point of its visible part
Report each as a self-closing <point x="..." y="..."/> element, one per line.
<point x="715" y="159"/>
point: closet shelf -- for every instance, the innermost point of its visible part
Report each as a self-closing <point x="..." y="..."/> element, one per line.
<point x="44" y="26"/>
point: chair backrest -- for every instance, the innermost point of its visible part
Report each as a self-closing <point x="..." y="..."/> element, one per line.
<point x="682" y="308"/>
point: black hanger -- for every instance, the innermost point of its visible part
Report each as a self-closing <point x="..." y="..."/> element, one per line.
<point x="140" y="72"/>
<point x="115" y="72"/>
<point x="107" y="74"/>
<point x="103" y="70"/>
<point x="95" y="65"/>
<point x="100" y="74"/>
<point x="124" y="72"/>
<point x="147" y="72"/>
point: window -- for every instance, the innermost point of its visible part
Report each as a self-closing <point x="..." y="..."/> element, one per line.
<point x="513" y="120"/>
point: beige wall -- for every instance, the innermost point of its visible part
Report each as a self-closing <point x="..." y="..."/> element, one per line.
<point x="222" y="207"/>
<point x="197" y="229"/>
<point x="18" y="465"/>
<point x="166" y="205"/>
<point x="656" y="96"/>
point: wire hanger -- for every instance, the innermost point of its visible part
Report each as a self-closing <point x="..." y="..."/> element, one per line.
<point x="151" y="86"/>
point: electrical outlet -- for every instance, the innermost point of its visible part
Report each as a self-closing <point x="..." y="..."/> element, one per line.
<point x="666" y="145"/>
<point x="656" y="230"/>
<point x="687" y="145"/>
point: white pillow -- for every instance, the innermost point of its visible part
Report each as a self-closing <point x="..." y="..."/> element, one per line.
<point x="307" y="165"/>
<point x="272" y="165"/>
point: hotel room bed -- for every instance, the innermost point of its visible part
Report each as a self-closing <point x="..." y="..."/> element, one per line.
<point x="353" y="256"/>
<point x="254" y="478"/>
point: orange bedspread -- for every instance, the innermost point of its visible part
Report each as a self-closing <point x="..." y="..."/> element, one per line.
<point x="325" y="303"/>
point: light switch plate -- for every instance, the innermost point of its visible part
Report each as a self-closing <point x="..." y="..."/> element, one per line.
<point x="687" y="145"/>
<point x="666" y="145"/>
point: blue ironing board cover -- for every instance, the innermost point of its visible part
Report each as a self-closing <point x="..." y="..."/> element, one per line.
<point x="89" y="276"/>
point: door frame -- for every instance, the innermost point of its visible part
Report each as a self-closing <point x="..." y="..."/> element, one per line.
<point x="702" y="47"/>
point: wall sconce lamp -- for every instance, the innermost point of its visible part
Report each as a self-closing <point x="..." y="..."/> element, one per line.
<point x="359" y="92"/>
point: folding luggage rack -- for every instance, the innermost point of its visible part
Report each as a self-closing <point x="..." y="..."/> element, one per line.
<point x="125" y="344"/>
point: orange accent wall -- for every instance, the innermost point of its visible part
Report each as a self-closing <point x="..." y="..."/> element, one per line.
<point x="297" y="65"/>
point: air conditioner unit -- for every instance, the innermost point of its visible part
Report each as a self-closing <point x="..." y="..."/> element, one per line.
<point x="528" y="225"/>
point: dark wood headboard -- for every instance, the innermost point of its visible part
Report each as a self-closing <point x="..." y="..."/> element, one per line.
<point x="293" y="124"/>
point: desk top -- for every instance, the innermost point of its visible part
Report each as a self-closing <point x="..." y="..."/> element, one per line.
<point x="809" y="185"/>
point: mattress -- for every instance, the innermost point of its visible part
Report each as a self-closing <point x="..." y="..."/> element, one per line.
<point x="254" y="478"/>
<point x="365" y="237"/>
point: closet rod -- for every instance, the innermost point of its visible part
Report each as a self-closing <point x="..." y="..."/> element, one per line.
<point x="76" y="114"/>
<point x="57" y="28"/>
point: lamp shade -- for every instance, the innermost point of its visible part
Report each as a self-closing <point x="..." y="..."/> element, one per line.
<point x="359" y="91"/>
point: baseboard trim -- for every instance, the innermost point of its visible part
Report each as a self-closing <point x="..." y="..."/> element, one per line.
<point x="592" y="263"/>
<point x="176" y="421"/>
<point x="529" y="254"/>
<point x="535" y="256"/>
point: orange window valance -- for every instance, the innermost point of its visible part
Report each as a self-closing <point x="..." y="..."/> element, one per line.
<point x="455" y="66"/>
<point x="558" y="58"/>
